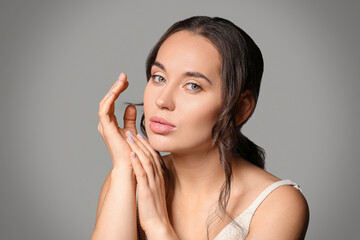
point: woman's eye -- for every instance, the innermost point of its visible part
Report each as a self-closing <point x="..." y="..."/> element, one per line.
<point x="193" y="87"/>
<point x="158" y="78"/>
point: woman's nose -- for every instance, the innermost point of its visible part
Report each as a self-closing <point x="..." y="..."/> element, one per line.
<point x="165" y="99"/>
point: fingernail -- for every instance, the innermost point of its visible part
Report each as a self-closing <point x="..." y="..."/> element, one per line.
<point x="119" y="79"/>
<point x="140" y="136"/>
<point x="131" y="139"/>
<point x="133" y="155"/>
<point x="130" y="133"/>
<point x="110" y="94"/>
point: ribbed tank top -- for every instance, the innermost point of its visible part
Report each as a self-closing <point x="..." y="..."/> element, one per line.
<point x="230" y="231"/>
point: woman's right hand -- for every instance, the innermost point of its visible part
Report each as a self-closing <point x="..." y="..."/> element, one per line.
<point x="114" y="136"/>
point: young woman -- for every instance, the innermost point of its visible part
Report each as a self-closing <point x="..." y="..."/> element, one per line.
<point x="203" y="77"/>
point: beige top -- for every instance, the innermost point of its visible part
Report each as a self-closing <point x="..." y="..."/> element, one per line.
<point x="230" y="232"/>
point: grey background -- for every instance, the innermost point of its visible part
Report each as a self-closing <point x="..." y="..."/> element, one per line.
<point x="59" y="58"/>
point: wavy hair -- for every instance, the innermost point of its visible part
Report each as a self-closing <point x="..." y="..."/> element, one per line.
<point x="241" y="70"/>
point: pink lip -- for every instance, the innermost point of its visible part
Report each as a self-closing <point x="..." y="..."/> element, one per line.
<point x="160" y="125"/>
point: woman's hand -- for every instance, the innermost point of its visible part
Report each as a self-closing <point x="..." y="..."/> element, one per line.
<point x="114" y="136"/>
<point x="152" y="209"/>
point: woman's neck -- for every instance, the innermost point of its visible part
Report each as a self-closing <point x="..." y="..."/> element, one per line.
<point x="198" y="173"/>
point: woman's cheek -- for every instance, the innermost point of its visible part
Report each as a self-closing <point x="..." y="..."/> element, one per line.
<point x="146" y="96"/>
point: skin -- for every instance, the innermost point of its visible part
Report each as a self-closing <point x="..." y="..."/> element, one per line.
<point x="116" y="215"/>
<point x="186" y="101"/>
<point x="175" y="99"/>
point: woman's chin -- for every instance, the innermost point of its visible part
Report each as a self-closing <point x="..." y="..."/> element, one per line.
<point x="159" y="147"/>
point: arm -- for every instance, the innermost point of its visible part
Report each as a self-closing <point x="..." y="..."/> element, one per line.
<point x="103" y="192"/>
<point x="116" y="212"/>
<point x="116" y="217"/>
<point x="283" y="215"/>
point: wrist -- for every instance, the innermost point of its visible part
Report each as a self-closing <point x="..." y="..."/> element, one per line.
<point x="122" y="171"/>
<point x="162" y="233"/>
<point x="124" y="164"/>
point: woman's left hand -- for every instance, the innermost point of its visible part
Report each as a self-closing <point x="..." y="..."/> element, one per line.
<point x="152" y="209"/>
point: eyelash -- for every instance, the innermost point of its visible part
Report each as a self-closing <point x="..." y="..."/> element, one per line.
<point x="189" y="83"/>
<point x="155" y="76"/>
<point x="194" y="84"/>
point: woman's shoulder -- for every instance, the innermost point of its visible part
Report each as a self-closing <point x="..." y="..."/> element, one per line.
<point x="283" y="211"/>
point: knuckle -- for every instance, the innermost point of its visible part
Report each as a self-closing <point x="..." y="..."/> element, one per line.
<point x="100" y="114"/>
<point x="101" y="105"/>
<point x="142" y="174"/>
<point x="147" y="164"/>
<point x="103" y="117"/>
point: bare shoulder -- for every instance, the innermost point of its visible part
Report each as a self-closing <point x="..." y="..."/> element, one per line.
<point x="284" y="214"/>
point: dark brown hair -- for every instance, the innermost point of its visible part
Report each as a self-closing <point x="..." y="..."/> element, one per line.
<point x="241" y="70"/>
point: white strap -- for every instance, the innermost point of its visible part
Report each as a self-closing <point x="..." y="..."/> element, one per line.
<point x="267" y="191"/>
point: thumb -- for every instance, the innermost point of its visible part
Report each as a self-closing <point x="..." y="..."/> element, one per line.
<point x="130" y="119"/>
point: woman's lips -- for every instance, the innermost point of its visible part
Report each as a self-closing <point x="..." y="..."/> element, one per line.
<point x="160" y="125"/>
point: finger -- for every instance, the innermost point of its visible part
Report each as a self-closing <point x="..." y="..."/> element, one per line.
<point x="121" y="80"/>
<point x="113" y="95"/>
<point x="120" y="85"/>
<point x="140" y="145"/>
<point x="140" y="173"/>
<point x="146" y="161"/>
<point x="130" y="119"/>
<point x="107" y="105"/>
<point x="154" y="154"/>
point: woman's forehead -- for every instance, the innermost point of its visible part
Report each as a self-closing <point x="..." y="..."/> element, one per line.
<point x="188" y="51"/>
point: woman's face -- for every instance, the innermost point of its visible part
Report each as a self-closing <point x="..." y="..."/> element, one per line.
<point x="182" y="99"/>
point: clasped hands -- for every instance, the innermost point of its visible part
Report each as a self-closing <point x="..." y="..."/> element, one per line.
<point x="131" y="150"/>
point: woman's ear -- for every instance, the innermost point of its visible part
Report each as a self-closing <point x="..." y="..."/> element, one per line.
<point x="245" y="108"/>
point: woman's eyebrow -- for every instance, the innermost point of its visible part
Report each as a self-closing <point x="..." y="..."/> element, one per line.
<point x="156" y="63"/>
<point x="197" y="75"/>
<point x="187" y="74"/>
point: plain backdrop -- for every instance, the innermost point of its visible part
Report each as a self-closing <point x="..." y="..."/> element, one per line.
<point x="59" y="58"/>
